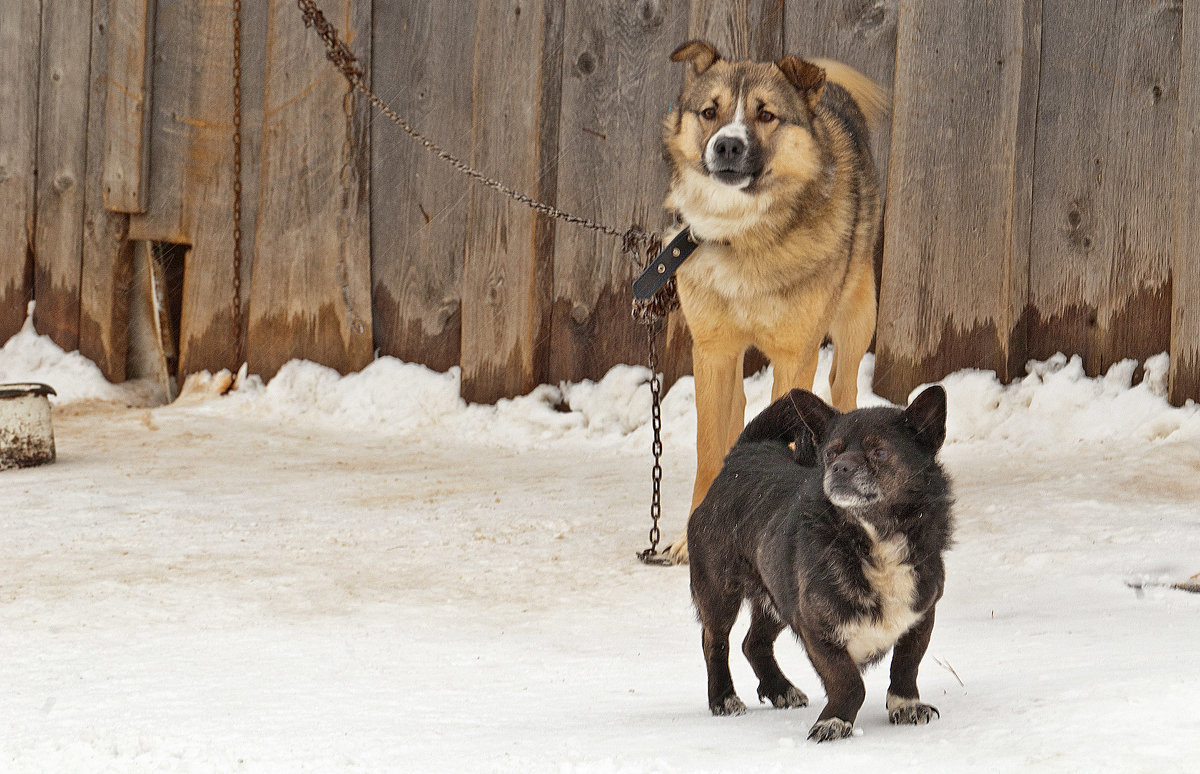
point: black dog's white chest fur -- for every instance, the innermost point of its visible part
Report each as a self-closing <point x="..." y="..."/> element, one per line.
<point x="893" y="583"/>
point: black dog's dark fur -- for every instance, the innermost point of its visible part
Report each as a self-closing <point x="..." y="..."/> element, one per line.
<point x="852" y="580"/>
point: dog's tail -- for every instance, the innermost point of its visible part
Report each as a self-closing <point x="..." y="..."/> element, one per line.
<point x="873" y="100"/>
<point x="780" y="422"/>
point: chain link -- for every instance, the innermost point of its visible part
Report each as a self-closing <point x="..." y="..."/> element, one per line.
<point x="237" y="181"/>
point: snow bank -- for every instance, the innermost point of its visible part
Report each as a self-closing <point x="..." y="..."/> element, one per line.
<point x="28" y="357"/>
<point x="1056" y="403"/>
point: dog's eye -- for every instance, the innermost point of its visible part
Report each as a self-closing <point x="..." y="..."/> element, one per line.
<point x="880" y="454"/>
<point x="708" y="113"/>
<point x="766" y="116"/>
<point x="830" y="455"/>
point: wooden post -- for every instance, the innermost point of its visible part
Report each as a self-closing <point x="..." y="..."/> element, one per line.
<point x="506" y="273"/>
<point x="62" y="161"/>
<point x="956" y="229"/>
<point x="129" y="46"/>
<point x="20" y="32"/>
<point x="618" y="82"/>
<point x="105" y="276"/>
<point x="421" y="64"/>
<point x="1105" y="180"/>
<point x="1185" y="266"/>
<point x="311" y="291"/>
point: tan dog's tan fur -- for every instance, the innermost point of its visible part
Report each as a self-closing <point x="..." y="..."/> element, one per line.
<point x="785" y="259"/>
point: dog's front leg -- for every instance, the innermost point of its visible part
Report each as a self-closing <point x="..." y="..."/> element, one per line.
<point x="903" y="701"/>
<point x="843" y="688"/>
<point x="718" y="380"/>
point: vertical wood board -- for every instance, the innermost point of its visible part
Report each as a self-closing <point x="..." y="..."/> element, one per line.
<point x="740" y="29"/>
<point x="20" y="31"/>
<point x="311" y="276"/>
<point x="618" y="82"/>
<point x="1105" y="178"/>
<point x="954" y="241"/>
<point x="1185" y="266"/>
<point x="176" y="64"/>
<point x="127" y="123"/>
<point x="506" y="271"/>
<point x="421" y="66"/>
<point x="207" y="338"/>
<point x="106" y="261"/>
<point x="61" y="162"/>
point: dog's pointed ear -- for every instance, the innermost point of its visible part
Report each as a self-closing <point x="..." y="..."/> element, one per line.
<point x="700" y="53"/>
<point x="808" y="79"/>
<point x="815" y="413"/>
<point x="926" y="415"/>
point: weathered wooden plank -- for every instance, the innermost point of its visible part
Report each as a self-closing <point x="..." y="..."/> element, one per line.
<point x="105" y="275"/>
<point x="506" y="271"/>
<point x="956" y="229"/>
<point x="207" y="331"/>
<point x="20" y="31"/>
<point x="311" y="277"/>
<point x="1185" y="268"/>
<point x="171" y="124"/>
<point x="618" y="79"/>
<point x="418" y="203"/>
<point x="1105" y="181"/>
<point x="127" y="115"/>
<point x="62" y="159"/>
<point x="740" y="29"/>
<point x="861" y="33"/>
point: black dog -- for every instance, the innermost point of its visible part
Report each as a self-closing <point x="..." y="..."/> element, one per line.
<point x="840" y="537"/>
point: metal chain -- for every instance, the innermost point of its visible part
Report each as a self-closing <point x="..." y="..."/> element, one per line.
<point x="651" y="555"/>
<point x="640" y="245"/>
<point x="237" y="181"/>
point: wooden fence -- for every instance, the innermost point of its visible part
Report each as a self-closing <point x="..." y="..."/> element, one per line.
<point x="1042" y="166"/>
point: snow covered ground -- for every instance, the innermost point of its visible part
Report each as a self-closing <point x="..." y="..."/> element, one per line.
<point x="364" y="574"/>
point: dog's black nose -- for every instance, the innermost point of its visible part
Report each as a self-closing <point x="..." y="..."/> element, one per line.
<point x="729" y="149"/>
<point x="843" y="465"/>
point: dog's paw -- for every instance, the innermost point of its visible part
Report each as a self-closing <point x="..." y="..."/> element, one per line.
<point x="677" y="552"/>
<point x="730" y="705"/>
<point x="789" y="698"/>
<point x="913" y="713"/>
<point x="830" y="729"/>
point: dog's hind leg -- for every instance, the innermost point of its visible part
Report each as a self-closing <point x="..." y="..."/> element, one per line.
<point x="759" y="647"/>
<point x="717" y="621"/>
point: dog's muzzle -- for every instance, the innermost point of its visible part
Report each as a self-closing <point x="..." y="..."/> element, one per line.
<point x="732" y="157"/>
<point x="849" y="483"/>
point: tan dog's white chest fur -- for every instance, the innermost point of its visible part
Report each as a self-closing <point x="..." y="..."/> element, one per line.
<point x="894" y="581"/>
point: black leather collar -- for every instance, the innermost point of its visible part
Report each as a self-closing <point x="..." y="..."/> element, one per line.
<point x="665" y="265"/>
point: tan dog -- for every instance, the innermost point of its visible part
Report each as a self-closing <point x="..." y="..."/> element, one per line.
<point x="772" y="172"/>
